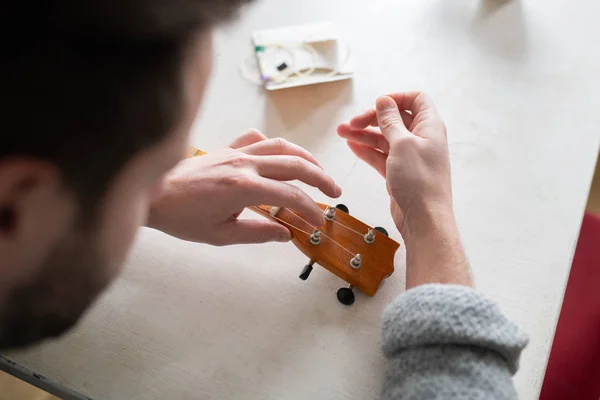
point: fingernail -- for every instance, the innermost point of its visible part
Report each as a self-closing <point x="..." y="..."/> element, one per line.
<point x="385" y="103"/>
<point x="284" y="237"/>
<point x="338" y="191"/>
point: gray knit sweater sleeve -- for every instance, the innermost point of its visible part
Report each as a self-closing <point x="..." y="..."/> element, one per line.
<point x="449" y="342"/>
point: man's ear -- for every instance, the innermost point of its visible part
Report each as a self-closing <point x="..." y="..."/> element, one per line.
<point x="17" y="178"/>
<point x="36" y="210"/>
<point x="20" y="179"/>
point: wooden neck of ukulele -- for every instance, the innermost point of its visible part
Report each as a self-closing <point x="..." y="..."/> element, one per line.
<point x="192" y="152"/>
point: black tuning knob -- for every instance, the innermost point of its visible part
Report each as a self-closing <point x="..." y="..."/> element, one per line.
<point x="343" y="208"/>
<point x="382" y="230"/>
<point x="306" y="271"/>
<point x="345" y="296"/>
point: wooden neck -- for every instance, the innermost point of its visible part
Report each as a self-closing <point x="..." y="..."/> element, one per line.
<point x="192" y="152"/>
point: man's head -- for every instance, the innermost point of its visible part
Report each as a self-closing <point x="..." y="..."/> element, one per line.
<point x="99" y="97"/>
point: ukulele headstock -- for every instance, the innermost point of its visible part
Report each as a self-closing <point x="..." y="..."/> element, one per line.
<point x="359" y="254"/>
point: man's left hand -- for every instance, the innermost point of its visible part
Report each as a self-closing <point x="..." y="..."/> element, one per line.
<point x="202" y="197"/>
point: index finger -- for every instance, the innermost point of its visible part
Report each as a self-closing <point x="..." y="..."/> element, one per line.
<point x="364" y="119"/>
<point x="280" y="147"/>
<point x="282" y="194"/>
<point x="289" y="168"/>
<point x="415" y="102"/>
<point x="369" y="118"/>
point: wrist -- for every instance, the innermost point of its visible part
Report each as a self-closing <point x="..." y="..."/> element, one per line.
<point x="434" y="252"/>
<point x="428" y="218"/>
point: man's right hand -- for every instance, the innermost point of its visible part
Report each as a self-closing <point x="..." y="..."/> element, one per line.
<point x="404" y="139"/>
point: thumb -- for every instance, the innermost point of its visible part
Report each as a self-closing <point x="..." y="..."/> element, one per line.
<point x="245" y="231"/>
<point x="389" y="119"/>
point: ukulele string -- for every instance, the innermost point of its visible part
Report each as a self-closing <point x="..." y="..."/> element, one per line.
<point x="335" y="222"/>
<point x="324" y="234"/>
<point x="282" y="221"/>
<point x="305" y="221"/>
<point x="303" y="231"/>
<point x="347" y="227"/>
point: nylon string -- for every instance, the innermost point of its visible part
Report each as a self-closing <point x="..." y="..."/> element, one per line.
<point x="334" y="221"/>
<point x="303" y="231"/>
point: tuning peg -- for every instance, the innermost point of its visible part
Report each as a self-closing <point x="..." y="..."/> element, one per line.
<point x="342" y="207"/>
<point x="356" y="261"/>
<point x="330" y="213"/>
<point x="345" y="295"/>
<point x="306" y="270"/>
<point x="315" y="238"/>
<point x="369" y="237"/>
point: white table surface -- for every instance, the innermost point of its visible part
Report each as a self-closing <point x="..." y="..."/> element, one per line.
<point x="517" y="84"/>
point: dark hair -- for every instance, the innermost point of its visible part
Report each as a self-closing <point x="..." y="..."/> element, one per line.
<point x="88" y="83"/>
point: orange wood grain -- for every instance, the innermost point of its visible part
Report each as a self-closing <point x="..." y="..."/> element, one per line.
<point x="341" y="240"/>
